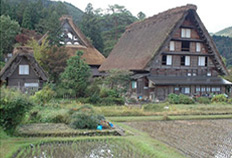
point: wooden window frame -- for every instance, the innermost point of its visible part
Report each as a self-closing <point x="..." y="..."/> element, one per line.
<point x="22" y="70"/>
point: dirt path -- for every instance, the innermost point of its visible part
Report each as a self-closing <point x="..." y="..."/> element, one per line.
<point x="195" y="138"/>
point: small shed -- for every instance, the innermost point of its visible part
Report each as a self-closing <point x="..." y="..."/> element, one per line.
<point x="23" y="72"/>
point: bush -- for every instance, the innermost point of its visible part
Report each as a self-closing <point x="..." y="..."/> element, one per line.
<point x="84" y="120"/>
<point x="173" y="99"/>
<point x="109" y="93"/>
<point x="219" y="98"/>
<point x="203" y="100"/>
<point x="13" y="106"/>
<point x="230" y="101"/>
<point x="43" y="96"/>
<point x="184" y="99"/>
<point x="180" y="99"/>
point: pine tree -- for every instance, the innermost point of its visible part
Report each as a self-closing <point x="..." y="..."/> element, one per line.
<point x="91" y="28"/>
<point x="27" y="23"/>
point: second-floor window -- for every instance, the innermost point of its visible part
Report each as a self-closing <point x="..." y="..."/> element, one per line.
<point x="202" y="61"/>
<point x="185" y="46"/>
<point x="185" y="33"/>
<point x="23" y="69"/>
<point x="172" y="46"/>
<point x="185" y="60"/>
<point x="166" y="60"/>
<point x="198" y="47"/>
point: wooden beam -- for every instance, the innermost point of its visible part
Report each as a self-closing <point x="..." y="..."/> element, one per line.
<point x="186" y="53"/>
<point x="187" y="39"/>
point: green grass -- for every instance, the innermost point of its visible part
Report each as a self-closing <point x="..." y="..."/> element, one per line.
<point x="159" y="118"/>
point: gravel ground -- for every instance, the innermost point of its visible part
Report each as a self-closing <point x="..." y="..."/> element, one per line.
<point x="194" y="138"/>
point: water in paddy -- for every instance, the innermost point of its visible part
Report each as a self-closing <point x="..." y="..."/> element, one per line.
<point x="81" y="149"/>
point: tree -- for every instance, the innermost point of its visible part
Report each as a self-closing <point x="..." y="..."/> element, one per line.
<point x="114" y="25"/>
<point x="118" y="80"/>
<point x="54" y="61"/>
<point x="91" y="28"/>
<point x="40" y="50"/>
<point x="27" y="23"/>
<point x="8" y="30"/>
<point x="141" y="16"/>
<point x="76" y="76"/>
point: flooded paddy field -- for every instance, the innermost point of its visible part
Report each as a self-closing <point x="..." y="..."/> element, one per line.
<point x="81" y="149"/>
<point x="194" y="138"/>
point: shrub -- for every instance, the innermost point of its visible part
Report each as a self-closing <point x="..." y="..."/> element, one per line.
<point x="43" y="96"/>
<point x="94" y="99"/>
<point x="184" y="99"/>
<point x="109" y="93"/>
<point x="93" y="89"/>
<point x="84" y="120"/>
<point x="173" y="99"/>
<point x="180" y="99"/>
<point x="203" y="100"/>
<point x="230" y="101"/>
<point x="13" y="106"/>
<point x="219" y="98"/>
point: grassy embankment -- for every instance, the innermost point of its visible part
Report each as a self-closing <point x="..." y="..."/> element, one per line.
<point x="139" y="141"/>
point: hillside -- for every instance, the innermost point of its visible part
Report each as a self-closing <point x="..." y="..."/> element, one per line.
<point x="73" y="11"/>
<point x="224" y="46"/>
<point x="225" y="32"/>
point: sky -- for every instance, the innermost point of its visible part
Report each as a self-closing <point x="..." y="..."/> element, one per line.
<point x="215" y="14"/>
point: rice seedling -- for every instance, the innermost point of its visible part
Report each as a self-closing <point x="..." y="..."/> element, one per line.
<point x="93" y="148"/>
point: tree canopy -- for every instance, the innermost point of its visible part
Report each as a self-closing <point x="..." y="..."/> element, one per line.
<point x="76" y="76"/>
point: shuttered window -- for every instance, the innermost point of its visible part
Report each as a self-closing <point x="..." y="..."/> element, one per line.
<point x="198" y="47"/>
<point x="169" y="60"/>
<point x="172" y="46"/>
<point x="186" y="33"/>
<point x="23" y="69"/>
<point x="187" y="60"/>
<point x="201" y="61"/>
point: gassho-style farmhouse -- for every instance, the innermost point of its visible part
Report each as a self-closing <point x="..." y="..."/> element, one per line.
<point x="171" y="52"/>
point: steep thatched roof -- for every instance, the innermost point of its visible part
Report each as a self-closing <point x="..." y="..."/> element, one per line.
<point x="91" y="55"/>
<point x="14" y="61"/>
<point x="142" y="41"/>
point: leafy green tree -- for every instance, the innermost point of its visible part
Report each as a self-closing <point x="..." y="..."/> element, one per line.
<point x="8" y="30"/>
<point x="76" y="75"/>
<point x="27" y="23"/>
<point x="54" y="61"/>
<point x="118" y="80"/>
<point x="91" y="28"/>
<point x="141" y="16"/>
<point x="39" y="50"/>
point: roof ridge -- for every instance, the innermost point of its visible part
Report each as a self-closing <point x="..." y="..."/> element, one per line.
<point x="159" y="16"/>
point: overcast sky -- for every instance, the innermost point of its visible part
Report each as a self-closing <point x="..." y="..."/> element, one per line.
<point x="215" y="14"/>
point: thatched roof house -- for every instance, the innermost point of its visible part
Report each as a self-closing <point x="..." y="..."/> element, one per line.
<point x="22" y="71"/>
<point x="144" y="40"/>
<point x="171" y="52"/>
<point x="75" y="40"/>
